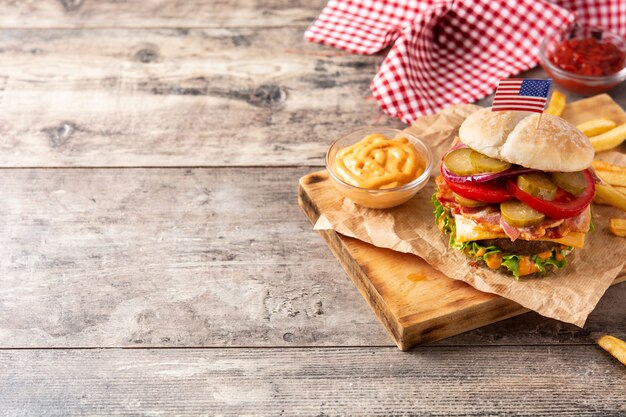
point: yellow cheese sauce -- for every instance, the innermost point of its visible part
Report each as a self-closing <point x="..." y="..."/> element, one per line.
<point x="377" y="162"/>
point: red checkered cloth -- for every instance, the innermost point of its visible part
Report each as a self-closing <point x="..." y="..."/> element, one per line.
<point x="451" y="51"/>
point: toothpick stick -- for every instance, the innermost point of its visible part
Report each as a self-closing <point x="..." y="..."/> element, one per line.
<point x="538" y="120"/>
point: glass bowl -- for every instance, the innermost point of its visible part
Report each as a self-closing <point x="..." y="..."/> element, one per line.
<point x="580" y="84"/>
<point x="379" y="198"/>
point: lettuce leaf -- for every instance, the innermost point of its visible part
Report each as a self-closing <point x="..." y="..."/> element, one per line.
<point x="510" y="261"/>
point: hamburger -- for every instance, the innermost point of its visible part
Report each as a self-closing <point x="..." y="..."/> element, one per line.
<point x="513" y="196"/>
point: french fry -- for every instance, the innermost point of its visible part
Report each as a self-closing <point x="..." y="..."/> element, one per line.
<point x="599" y="200"/>
<point x="607" y="195"/>
<point x="612" y="174"/>
<point x="618" y="227"/>
<point x="596" y="127"/>
<point x="621" y="189"/>
<point x="612" y="177"/>
<point x="616" y="347"/>
<point x="609" y="140"/>
<point x="557" y="104"/>
<point x="605" y="166"/>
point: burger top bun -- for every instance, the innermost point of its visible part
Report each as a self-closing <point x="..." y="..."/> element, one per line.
<point x="512" y="136"/>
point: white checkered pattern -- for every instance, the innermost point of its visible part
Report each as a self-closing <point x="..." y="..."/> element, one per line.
<point x="446" y="51"/>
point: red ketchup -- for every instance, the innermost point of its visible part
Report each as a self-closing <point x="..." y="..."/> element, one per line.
<point x="587" y="57"/>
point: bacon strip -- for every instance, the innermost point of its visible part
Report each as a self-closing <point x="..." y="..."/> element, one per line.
<point x="512" y="232"/>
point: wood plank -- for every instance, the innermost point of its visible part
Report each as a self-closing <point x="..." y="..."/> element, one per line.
<point x="224" y="97"/>
<point x="157" y="13"/>
<point x="468" y="381"/>
<point x="212" y="92"/>
<point x="415" y="302"/>
<point x="168" y="257"/>
<point x="194" y="257"/>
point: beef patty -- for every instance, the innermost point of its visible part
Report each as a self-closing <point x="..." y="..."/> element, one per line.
<point x="521" y="247"/>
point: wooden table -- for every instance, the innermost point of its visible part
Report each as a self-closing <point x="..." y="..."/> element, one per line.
<point x="154" y="260"/>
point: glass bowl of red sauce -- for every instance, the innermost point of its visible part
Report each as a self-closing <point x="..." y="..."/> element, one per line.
<point x="583" y="59"/>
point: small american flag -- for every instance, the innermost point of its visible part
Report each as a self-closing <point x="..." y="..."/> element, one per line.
<point x="521" y="95"/>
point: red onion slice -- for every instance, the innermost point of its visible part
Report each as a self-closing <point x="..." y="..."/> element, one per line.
<point x="477" y="178"/>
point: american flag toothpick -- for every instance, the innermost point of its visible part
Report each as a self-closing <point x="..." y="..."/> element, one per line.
<point x="518" y="94"/>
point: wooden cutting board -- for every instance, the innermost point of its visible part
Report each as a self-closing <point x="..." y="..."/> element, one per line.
<point x="415" y="302"/>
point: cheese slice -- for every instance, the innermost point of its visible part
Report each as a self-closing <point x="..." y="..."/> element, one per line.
<point x="467" y="230"/>
<point x="575" y="239"/>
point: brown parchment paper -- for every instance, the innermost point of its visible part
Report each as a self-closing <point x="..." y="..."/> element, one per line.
<point x="568" y="295"/>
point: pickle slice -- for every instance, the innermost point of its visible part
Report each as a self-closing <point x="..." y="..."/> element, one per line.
<point x="538" y="185"/>
<point x="458" y="162"/>
<point x="519" y="214"/>
<point x="468" y="202"/>
<point x="572" y="182"/>
<point x="484" y="163"/>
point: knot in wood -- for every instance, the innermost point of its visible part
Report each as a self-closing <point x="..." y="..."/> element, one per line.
<point x="71" y="5"/>
<point x="58" y="135"/>
<point x="146" y="55"/>
<point x="268" y="95"/>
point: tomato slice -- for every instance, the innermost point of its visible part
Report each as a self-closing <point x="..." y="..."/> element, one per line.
<point x="487" y="192"/>
<point x="564" y="206"/>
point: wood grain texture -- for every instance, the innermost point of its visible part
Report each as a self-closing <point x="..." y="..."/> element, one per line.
<point x="168" y="258"/>
<point x="188" y="97"/>
<point x="217" y="257"/>
<point x="415" y="302"/>
<point x="193" y="257"/>
<point x="504" y="381"/>
<point x="157" y="13"/>
<point x="225" y="97"/>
